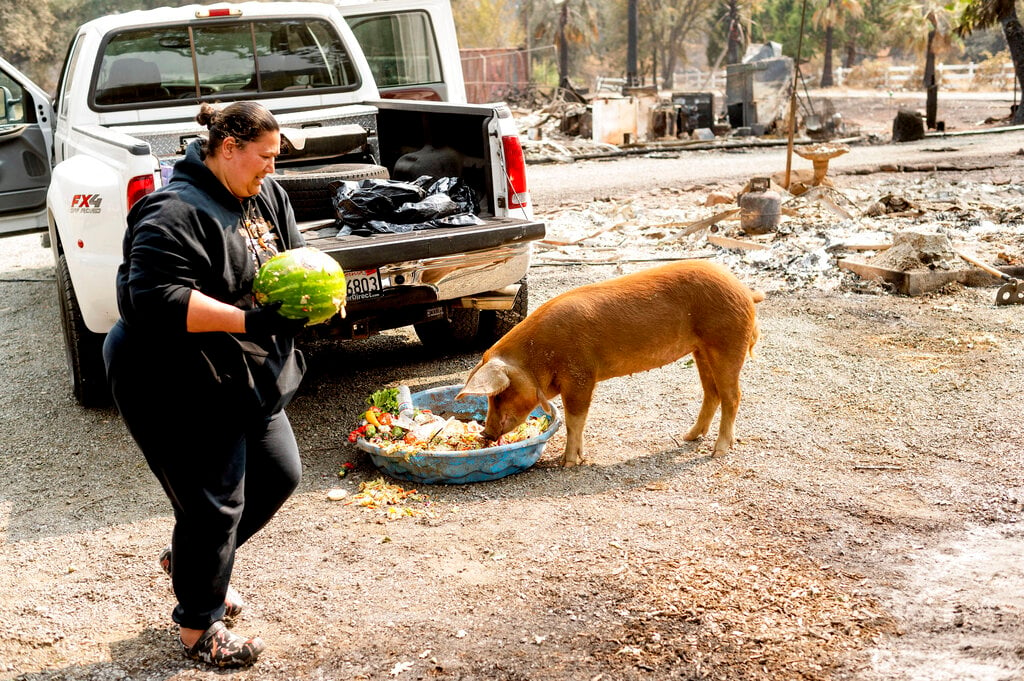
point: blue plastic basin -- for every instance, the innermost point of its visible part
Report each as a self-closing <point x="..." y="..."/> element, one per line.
<point x="456" y="468"/>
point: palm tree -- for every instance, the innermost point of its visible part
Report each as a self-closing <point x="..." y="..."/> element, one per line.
<point x="981" y="14"/>
<point x="831" y="16"/>
<point x="925" y="25"/>
<point x="565" y="22"/>
<point x="729" y="28"/>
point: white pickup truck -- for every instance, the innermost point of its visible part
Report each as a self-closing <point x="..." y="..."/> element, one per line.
<point x="72" y="165"/>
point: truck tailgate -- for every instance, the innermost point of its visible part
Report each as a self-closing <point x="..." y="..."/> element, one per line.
<point x="361" y="252"/>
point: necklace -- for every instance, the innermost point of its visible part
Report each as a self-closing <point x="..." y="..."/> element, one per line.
<point x="257" y="232"/>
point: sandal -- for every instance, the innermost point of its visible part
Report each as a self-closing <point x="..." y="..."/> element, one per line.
<point x="222" y="648"/>
<point x="233" y="602"/>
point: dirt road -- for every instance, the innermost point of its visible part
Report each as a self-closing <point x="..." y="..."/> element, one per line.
<point x="866" y="526"/>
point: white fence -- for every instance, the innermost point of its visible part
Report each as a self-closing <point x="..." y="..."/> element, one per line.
<point x="949" y="76"/>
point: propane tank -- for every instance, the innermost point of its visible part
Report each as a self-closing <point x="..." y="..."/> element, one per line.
<point x="760" y="207"/>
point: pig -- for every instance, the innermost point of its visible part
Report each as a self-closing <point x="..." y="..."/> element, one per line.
<point x="621" y="326"/>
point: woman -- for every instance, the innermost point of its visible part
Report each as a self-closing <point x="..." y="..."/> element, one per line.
<point x="199" y="374"/>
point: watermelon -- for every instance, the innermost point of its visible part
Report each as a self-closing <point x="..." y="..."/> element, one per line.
<point x="307" y="282"/>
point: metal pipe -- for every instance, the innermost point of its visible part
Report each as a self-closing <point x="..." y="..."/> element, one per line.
<point x="792" y="98"/>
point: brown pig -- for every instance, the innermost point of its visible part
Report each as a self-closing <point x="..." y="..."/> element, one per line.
<point x="632" y="323"/>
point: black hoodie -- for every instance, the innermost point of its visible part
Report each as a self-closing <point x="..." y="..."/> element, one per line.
<point x="185" y="236"/>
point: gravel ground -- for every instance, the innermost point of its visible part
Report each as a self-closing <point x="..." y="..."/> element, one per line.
<point x="865" y="526"/>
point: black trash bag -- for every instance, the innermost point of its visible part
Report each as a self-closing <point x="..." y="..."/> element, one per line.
<point x="458" y="191"/>
<point x="378" y="206"/>
<point x="433" y="206"/>
<point x="372" y="199"/>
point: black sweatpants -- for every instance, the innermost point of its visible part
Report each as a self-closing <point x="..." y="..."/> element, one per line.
<point x="225" y="472"/>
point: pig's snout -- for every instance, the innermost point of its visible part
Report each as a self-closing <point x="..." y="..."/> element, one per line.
<point x="494" y="428"/>
<point x="497" y="424"/>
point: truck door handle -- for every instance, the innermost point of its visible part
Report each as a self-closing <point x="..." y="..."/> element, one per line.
<point x="12" y="130"/>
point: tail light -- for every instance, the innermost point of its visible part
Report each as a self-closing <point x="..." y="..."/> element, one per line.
<point x="139" y="187"/>
<point x="515" y="172"/>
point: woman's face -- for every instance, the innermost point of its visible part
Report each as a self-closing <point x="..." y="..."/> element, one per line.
<point x="246" y="165"/>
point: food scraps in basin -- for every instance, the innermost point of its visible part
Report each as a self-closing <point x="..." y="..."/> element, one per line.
<point x="422" y="430"/>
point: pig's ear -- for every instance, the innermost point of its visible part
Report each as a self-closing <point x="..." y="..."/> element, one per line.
<point x="544" y="404"/>
<point x="472" y="372"/>
<point x="489" y="378"/>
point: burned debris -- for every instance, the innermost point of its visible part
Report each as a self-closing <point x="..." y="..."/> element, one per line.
<point x="867" y="238"/>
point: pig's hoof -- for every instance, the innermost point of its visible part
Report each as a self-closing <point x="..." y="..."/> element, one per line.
<point x="568" y="461"/>
<point x="693" y="434"/>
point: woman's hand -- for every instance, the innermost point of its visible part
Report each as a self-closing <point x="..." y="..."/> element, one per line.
<point x="268" y="321"/>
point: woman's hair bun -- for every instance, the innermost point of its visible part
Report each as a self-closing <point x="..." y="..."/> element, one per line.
<point x="207" y="115"/>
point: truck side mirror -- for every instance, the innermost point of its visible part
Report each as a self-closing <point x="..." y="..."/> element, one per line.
<point x="5" y="105"/>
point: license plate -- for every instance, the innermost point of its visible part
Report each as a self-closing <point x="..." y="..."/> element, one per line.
<point x="362" y="284"/>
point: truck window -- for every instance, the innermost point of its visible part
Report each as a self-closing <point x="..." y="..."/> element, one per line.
<point x="233" y="60"/>
<point x="401" y="47"/>
<point x="68" y="77"/>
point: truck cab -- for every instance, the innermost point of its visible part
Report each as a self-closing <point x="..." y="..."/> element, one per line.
<point x="411" y="47"/>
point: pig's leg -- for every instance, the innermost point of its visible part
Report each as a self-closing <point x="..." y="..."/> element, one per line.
<point x="730" y="405"/>
<point x="577" y="404"/>
<point x="727" y="366"/>
<point x="711" y="397"/>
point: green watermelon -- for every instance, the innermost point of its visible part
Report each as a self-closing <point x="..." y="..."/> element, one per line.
<point x="307" y="281"/>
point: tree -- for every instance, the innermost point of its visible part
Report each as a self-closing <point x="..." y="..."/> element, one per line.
<point x="670" y="23"/>
<point x="861" y="34"/>
<point x="926" y="26"/>
<point x="980" y="14"/>
<point x="779" y="21"/>
<point x="831" y="15"/>
<point x="729" y="31"/>
<point x="565" y="22"/>
<point x="27" y="34"/>
<point x="35" y="35"/>
<point x="487" y="23"/>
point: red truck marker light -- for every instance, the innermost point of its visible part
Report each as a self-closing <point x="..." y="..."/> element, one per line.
<point x="139" y="187"/>
<point x="218" y="12"/>
<point x="515" y="172"/>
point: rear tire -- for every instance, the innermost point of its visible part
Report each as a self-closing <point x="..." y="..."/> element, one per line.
<point x="309" y="190"/>
<point x="469" y="329"/>
<point x="84" y="347"/>
<point x="457" y="332"/>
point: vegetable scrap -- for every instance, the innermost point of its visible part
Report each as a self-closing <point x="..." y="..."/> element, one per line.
<point x="385" y="400"/>
<point x="414" y="431"/>
<point x="390" y="499"/>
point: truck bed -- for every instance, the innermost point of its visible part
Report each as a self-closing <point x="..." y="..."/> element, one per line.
<point x="360" y="252"/>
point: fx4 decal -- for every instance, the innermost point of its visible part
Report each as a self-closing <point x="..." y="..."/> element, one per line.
<point x="86" y="203"/>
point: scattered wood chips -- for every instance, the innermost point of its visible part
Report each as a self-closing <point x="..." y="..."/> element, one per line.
<point x="769" y="614"/>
